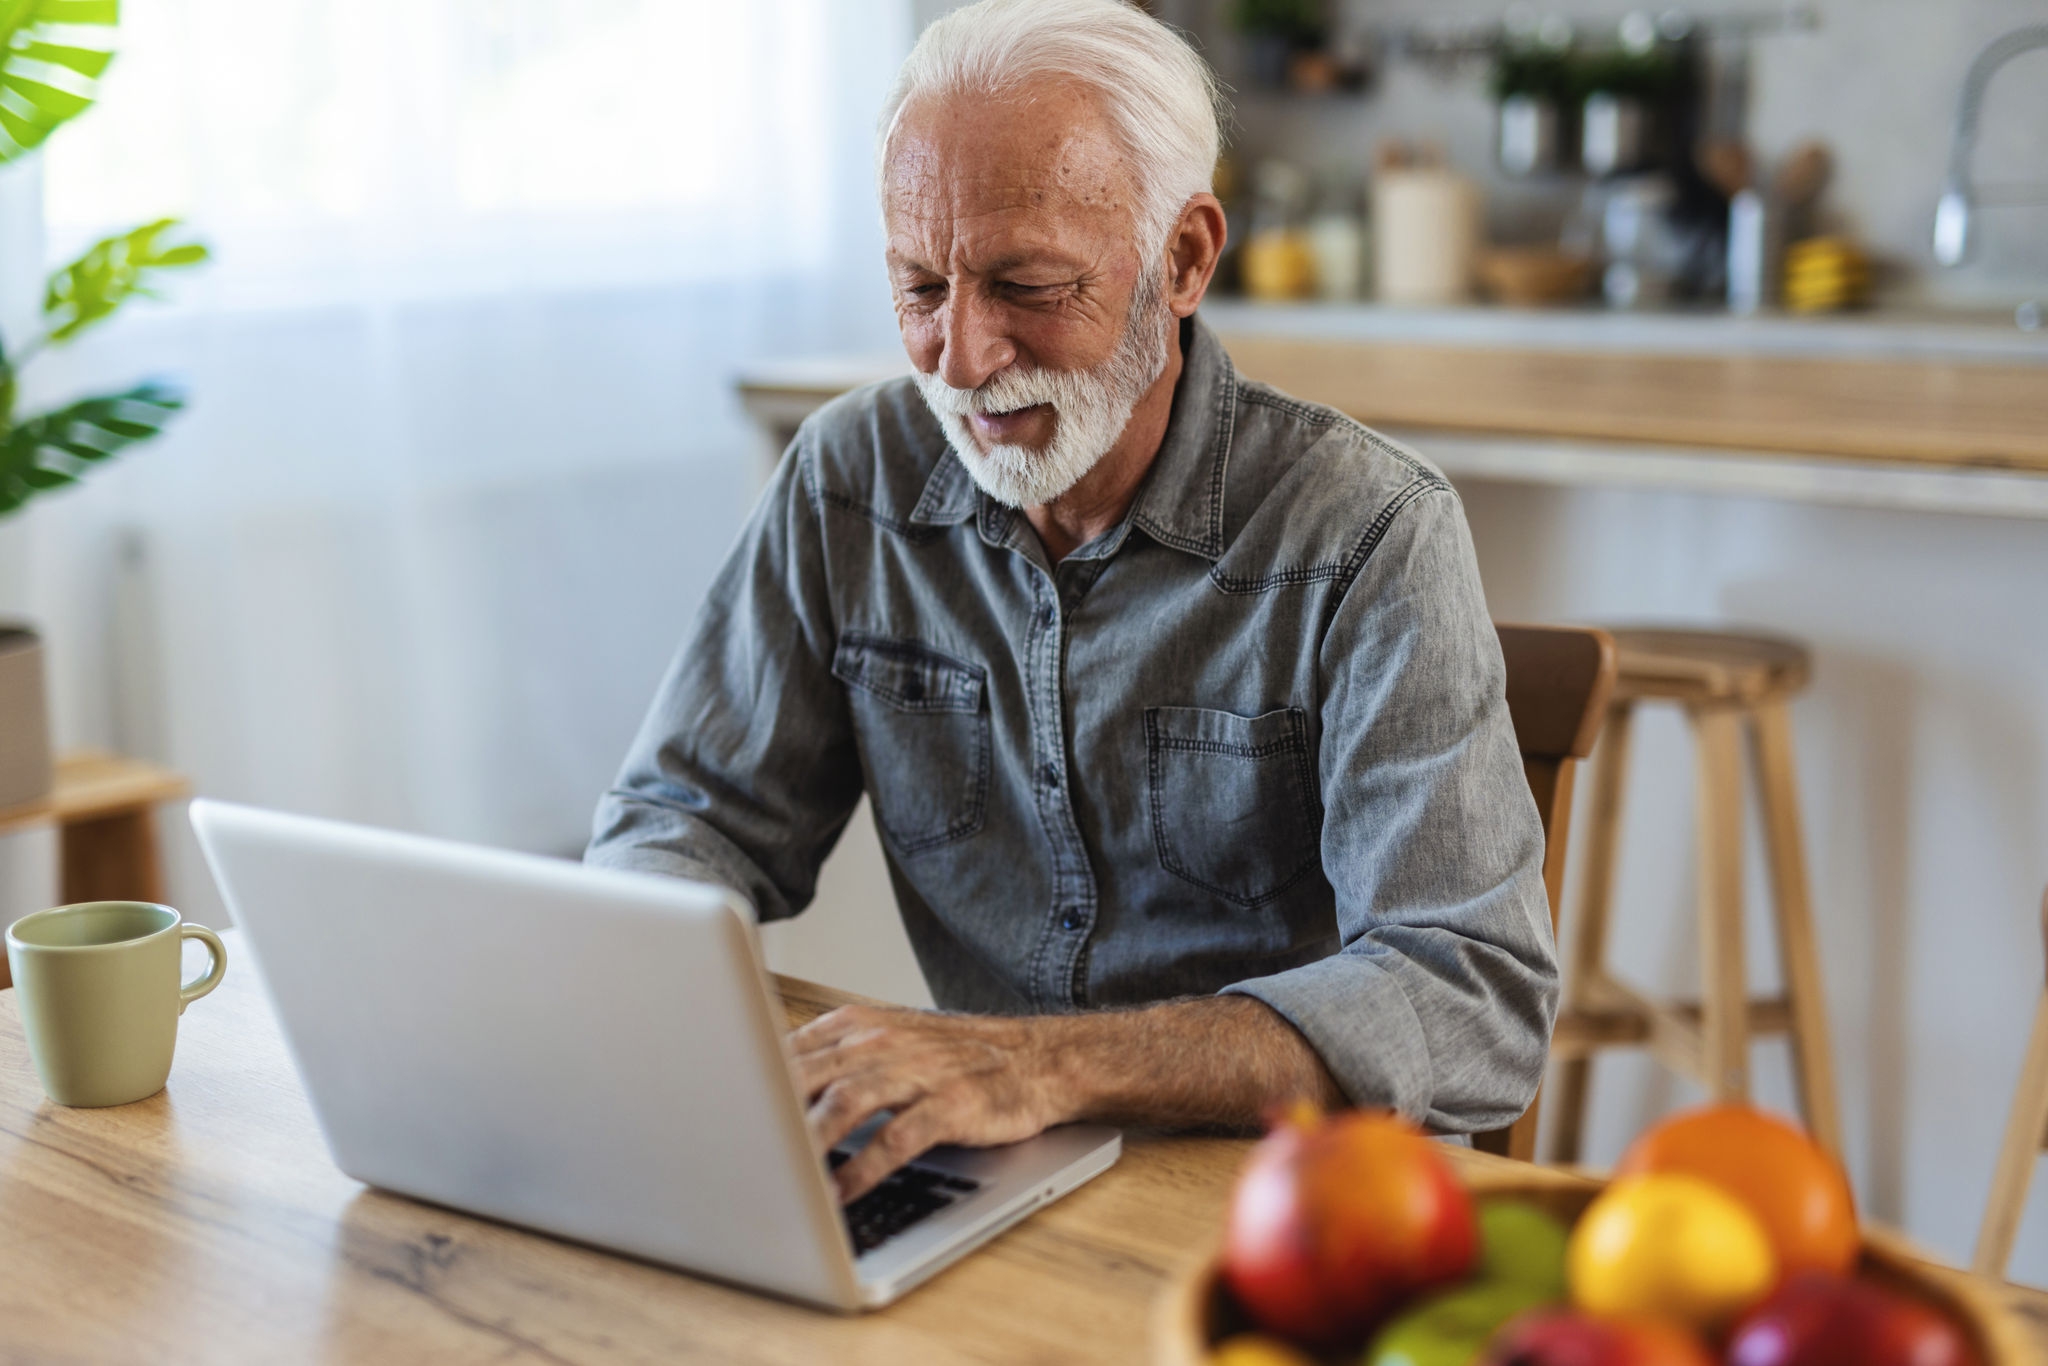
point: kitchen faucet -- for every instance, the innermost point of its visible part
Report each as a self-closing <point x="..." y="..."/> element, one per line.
<point x="1954" y="238"/>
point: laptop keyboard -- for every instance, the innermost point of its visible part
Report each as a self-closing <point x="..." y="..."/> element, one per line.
<point x="906" y="1196"/>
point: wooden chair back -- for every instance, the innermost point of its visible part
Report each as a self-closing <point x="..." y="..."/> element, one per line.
<point x="2026" y="1131"/>
<point x="1559" y="678"/>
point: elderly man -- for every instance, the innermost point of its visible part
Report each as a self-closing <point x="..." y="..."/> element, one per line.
<point x="1176" y="698"/>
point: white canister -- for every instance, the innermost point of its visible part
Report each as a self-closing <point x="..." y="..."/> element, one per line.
<point x="1338" y="241"/>
<point x="1425" y="235"/>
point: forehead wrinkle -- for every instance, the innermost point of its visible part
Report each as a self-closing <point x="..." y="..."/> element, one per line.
<point x="1046" y="148"/>
<point x="932" y="188"/>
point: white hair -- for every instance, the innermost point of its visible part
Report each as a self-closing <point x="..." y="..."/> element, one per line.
<point x="1162" y="99"/>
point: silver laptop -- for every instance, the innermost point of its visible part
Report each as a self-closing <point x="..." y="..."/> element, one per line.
<point x="592" y="1054"/>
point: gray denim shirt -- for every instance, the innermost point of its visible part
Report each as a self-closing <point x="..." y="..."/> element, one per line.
<point x="1253" y="739"/>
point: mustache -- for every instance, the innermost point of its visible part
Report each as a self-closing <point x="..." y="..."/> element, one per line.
<point x="1004" y="392"/>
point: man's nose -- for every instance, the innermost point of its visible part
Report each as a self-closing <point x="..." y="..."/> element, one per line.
<point x="974" y="344"/>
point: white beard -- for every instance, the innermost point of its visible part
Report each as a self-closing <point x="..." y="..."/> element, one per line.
<point x="1091" y="408"/>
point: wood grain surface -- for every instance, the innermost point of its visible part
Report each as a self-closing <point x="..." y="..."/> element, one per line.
<point x="1927" y="412"/>
<point x="207" y="1225"/>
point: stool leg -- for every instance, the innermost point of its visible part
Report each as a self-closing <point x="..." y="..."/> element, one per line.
<point x="1589" y="942"/>
<point x="1724" y="1004"/>
<point x="2024" y="1133"/>
<point x="1778" y="795"/>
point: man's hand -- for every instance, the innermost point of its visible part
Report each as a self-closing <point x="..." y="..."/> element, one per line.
<point x="967" y="1079"/>
<point x="982" y="1080"/>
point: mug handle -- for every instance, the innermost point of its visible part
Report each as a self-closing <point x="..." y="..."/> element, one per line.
<point x="193" y="990"/>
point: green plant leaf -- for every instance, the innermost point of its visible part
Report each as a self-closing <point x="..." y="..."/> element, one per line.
<point x="111" y="272"/>
<point x="53" y="450"/>
<point x="52" y="55"/>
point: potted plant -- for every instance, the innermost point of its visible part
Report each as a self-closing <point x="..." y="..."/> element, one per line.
<point x="1533" y="86"/>
<point x="1626" y="90"/>
<point x="52" y="55"/>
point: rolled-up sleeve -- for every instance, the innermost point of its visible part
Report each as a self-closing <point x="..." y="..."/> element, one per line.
<point x="1440" y="1001"/>
<point x="745" y="770"/>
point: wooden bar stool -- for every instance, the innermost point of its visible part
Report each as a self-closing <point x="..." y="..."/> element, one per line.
<point x="1729" y="685"/>
<point x="2026" y="1133"/>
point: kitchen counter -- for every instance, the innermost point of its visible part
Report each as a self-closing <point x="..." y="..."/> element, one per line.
<point x="1931" y="412"/>
<point x="1876" y="334"/>
<point x="1915" y="411"/>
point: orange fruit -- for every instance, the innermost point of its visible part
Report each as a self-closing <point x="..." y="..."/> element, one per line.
<point x="1796" y="1190"/>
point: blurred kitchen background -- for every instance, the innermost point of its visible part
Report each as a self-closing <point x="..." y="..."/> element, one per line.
<point x="1555" y="113"/>
<point x="465" y="441"/>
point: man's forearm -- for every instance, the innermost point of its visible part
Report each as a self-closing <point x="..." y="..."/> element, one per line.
<point x="981" y="1080"/>
<point x="1222" y="1060"/>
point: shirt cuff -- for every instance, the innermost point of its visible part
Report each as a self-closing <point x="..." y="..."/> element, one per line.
<point x="1360" y="1023"/>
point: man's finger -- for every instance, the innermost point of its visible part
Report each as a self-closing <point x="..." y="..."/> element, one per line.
<point x="829" y="1028"/>
<point x="852" y="1101"/>
<point x="909" y="1134"/>
<point x="818" y="1068"/>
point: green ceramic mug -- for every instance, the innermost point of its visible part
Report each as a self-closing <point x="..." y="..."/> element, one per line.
<point x="97" y="985"/>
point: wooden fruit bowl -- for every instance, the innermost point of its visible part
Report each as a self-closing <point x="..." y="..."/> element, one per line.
<point x="1195" y="1312"/>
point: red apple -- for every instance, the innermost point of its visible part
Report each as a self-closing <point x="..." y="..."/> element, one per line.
<point x="1560" y="1337"/>
<point x="1336" y="1221"/>
<point x="1793" y="1324"/>
<point x="1825" y="1320"/>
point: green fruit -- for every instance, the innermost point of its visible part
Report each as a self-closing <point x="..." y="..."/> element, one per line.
<point x="1451" y="1329"/>
<point x="1521" y="1245"/>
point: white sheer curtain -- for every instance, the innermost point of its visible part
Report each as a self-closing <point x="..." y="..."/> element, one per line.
<point x="463" y="450"/>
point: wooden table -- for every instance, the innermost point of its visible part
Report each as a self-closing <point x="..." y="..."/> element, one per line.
<point x="206" y="1225"/>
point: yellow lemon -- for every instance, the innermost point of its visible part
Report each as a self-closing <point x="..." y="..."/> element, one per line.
<point x="1256" y="1349"/>
<point x="1669" y="1246"/>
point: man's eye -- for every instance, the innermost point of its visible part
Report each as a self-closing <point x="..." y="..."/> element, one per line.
<point x="926" y="291"/>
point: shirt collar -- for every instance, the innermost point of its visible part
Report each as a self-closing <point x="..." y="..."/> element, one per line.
<point x="1180" y="502"/>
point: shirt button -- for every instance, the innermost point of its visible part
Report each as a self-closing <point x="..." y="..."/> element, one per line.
<point x="913" y="690"/>
<point x="1050" y="615"/>
<point x="1049" y="775"/>
<point x="1071" y="920"/>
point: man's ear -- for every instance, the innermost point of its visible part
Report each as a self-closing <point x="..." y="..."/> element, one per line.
<point x="1192" y="251"/>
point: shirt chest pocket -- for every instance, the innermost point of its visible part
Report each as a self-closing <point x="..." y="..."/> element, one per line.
<point x="922" y="720"/>
<point x="1232" y="799"/>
